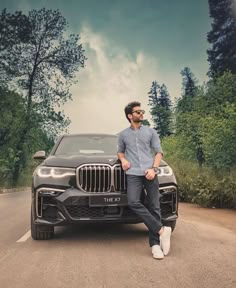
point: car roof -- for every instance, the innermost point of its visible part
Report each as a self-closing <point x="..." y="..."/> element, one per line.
<point x="88" y="134"/>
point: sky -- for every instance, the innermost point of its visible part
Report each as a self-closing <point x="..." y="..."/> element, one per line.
<point x="129" y="44"/>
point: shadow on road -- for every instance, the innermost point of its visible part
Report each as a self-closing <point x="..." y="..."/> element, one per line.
<point x="101" y="231"/>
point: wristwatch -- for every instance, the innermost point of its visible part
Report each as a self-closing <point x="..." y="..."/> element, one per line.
<point x="155" y="169"/>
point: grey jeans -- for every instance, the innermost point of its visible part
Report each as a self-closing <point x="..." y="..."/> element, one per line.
<point x="151" y="216"/>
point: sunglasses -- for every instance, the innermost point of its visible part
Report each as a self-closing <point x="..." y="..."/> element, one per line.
<point x="138" y="112"/>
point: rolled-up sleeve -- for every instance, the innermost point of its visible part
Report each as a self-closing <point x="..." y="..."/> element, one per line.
<point x="155" y="142"/>
<point x="121" y="144"/>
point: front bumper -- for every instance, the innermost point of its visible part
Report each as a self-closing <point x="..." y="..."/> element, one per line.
<point x="61" y="207"/>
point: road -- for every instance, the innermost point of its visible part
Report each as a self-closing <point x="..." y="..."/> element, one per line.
<point x="203" y="252"/>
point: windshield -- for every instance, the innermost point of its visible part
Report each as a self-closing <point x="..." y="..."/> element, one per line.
<point x="87" y="144"/>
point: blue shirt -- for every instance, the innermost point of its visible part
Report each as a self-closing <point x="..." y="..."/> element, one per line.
<point x="139" y="146"/>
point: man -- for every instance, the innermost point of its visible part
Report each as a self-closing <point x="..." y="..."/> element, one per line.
<point x="135" y="146"/>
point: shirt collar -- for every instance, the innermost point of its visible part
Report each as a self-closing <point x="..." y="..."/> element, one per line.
<point x="141" y="126"/>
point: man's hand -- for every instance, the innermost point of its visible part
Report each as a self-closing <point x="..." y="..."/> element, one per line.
<point x="150" y="174"/>
<point x="125" y="164"/>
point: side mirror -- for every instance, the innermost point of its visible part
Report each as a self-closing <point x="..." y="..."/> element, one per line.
<point x="40" y="155"/>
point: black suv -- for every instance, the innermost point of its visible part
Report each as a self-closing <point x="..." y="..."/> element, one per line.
<point x="82" y="181"/>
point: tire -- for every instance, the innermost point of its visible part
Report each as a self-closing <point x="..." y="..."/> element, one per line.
<point x="171" y="224"/>
<point x="41" y="232"/>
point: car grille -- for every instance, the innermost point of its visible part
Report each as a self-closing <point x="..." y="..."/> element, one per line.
<point x="101" y="178"/>
<point x="85" y="212"/>
<point x="77" y="212"/>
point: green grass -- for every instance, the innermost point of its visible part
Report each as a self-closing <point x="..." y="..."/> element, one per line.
<point x="205" y="186"/>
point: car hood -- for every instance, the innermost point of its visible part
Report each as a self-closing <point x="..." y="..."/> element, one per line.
<point x="74" y="161"/>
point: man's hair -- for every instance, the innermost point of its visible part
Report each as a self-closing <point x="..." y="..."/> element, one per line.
<point x="129" y="108"/>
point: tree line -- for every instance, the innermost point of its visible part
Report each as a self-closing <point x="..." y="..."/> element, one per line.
<point x="200" y="127"/>
<point x="38" y="65"/>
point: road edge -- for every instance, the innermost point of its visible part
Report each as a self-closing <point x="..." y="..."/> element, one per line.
<point x="11" y="190"/>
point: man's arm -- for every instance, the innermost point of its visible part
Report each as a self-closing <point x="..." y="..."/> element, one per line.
<point x="121" y="155"/>
<point x="156" y="146"/>
<point x="157" y="159"/>
<point x="125" y="163"/>
<point x="150" y="173"/>
<point x="156" y="143"/>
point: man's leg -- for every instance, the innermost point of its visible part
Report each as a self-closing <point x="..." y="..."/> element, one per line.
<point x="134" y="189"/>
<point x="152" y="189"/>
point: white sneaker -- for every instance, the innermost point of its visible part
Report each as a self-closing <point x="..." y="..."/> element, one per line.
<point x="157" y="253"/>
<point x="165" y="240"/>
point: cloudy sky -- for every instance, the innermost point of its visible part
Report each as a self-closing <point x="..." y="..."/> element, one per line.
<point x="129" y="44"/>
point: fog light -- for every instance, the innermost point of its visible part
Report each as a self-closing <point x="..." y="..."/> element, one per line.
<point x="168" y="190"/>
<point x="50" y="192"/>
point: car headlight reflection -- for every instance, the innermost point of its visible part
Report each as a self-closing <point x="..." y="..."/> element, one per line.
<point x="54" y="172"/>
<point x="165" y="171"/>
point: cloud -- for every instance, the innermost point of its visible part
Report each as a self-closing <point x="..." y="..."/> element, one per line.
<point x="110" y="80"/>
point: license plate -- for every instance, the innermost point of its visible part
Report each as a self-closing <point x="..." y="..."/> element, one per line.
<point x="108" y="200"/>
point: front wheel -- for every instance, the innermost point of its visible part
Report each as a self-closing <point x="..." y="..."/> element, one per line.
<point x="41" y="232"/>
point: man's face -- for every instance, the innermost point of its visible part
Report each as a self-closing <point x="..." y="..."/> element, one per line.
<point x="137" y="114"/>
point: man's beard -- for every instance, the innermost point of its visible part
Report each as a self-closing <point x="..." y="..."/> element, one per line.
<point x="137" y="120"/>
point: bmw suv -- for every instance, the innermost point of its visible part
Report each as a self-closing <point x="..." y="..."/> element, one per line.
<point x="82" y="180"/>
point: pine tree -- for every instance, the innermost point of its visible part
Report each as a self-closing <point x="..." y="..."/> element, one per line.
<point x="153" y="98"/>
<point x="189" y="88"/>
<point x="187" y="120"/>
<point x="164" y="98"/>
<point x="222" y="37"/>
<point x="189" y="82"/>
<point x="160" y="103"/>
<point x="165" y="113"/>
<point x="153" y="101"/>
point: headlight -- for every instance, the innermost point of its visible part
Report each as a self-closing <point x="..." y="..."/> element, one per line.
<point x="165" y="171"/>
<point x="54" y="172"/>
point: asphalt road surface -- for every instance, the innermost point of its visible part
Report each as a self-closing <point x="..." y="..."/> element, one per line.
<point x="203" y="252"/>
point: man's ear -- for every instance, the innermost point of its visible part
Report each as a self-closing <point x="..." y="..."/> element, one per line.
<point x="130" y="116"/>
